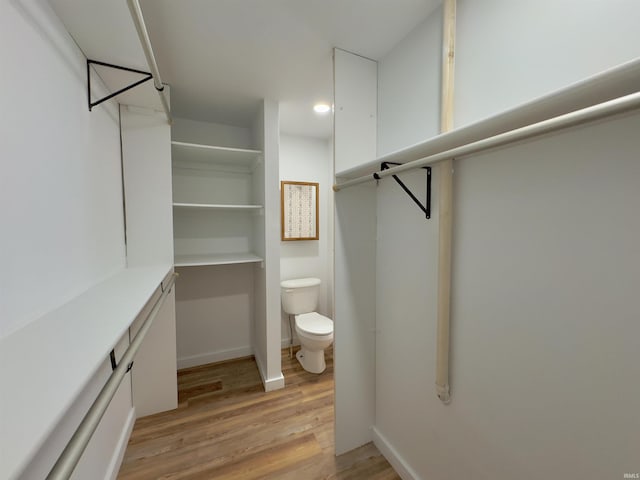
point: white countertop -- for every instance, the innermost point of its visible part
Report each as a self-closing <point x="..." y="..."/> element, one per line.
<point x="45" y="365"/>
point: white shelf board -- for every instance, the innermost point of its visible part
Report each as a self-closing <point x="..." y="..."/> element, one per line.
<point x="616" y="82"/>
<point x="215" y="206"/>
<point x="197" y="260"/>
<point x="194" y="152"/>
<point x="46" y="365"/>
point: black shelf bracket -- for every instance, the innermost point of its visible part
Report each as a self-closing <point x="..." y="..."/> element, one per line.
<point x="114" y="365"/>
<point x="425" y="208"/>
<point x="112" y="357"/>
<point x="147" y="77"/>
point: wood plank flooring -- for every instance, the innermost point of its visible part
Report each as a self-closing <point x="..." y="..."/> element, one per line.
<point x="227" y="427"/>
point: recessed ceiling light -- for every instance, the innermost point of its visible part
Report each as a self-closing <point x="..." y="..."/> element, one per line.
<point x="321" y="108"/>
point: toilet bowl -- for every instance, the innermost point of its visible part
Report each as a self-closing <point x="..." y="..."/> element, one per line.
<point x="315" y="331"/>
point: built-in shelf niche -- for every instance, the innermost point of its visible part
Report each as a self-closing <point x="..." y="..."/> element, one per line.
<point x="214" y="204"/>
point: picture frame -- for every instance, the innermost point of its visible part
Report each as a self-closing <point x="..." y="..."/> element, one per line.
<point x="299" y="214"/>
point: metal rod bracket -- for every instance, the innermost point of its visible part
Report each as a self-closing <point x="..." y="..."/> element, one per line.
<point x="147" y="77"/>
<point x="114" y="364"/>
<point x="112" y="357"/>
<point x="426" y="208"/>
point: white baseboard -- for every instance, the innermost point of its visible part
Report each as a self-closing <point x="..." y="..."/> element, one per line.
<point x="121" y="447"/>
<point x="269" y="384"/>
<point x="272" y="384"/>
<point x="393" y="457"/>
<point x="212" y="357"/>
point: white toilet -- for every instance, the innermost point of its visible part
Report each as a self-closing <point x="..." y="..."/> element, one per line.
<point x="315" y="331"/>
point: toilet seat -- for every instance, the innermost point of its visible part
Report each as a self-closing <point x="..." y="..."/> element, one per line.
<point x="314" y="324"/>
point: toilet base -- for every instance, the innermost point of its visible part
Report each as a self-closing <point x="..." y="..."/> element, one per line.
<point x="312" y="362"/>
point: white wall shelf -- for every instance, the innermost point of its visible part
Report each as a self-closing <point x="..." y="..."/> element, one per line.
<point x="194" y="152"/>
<point x="49" y="363"/>
<point x="216" y="206"/>
<point x="195" y="260"/>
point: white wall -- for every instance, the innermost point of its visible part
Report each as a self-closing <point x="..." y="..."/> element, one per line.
<point x="508" y="52"/>
<point x="543" y="300"/>
<point x="60" y="190"/>
<point x="62" y="211"/>
<point x="259" y="327"/>
<point x="208" y="133"/>
<point x="272" y="371"/>
<point x="411" y="99"/>
<point x="214" y="311"/>
<point x="542" y="268"/>
<point x="305" y="159"/>
<point x="266" y="330"/>
<point x="355" y="105"/>
<point x="354" y="260"/>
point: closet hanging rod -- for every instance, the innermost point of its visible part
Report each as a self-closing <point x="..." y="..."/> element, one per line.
<point x="138" y="20"/>
<point x="616" y="106"/>
<point x="70" y="456"/>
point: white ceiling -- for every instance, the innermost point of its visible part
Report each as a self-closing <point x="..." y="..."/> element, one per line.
<point x="222" y="56"/>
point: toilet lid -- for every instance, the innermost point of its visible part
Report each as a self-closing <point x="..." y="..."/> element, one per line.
<point x="314" y="323"/>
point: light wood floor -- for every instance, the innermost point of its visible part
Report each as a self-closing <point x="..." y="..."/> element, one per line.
<point x="227" y="427"/>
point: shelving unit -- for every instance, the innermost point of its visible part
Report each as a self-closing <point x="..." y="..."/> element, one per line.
<point x="226" y="242"/>
<point x="214" y="204"/>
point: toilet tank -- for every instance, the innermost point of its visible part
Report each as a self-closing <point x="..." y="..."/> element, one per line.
<point x="300" y="295"/>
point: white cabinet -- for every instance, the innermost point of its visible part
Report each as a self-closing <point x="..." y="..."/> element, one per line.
<point x="153" y="377"/>
<point x="214" y="204"/>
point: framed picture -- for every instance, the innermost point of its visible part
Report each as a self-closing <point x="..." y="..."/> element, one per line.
<point x="299" y="211"/>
